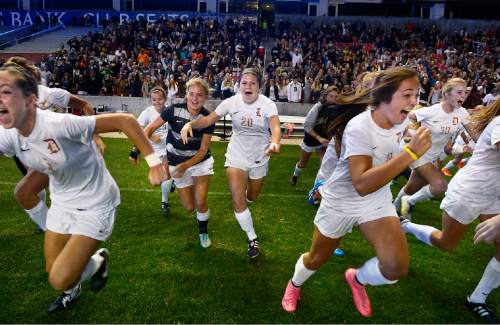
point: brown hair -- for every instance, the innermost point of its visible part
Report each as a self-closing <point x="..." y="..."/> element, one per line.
<point x="325" y="93"/>
<point x="26" y="75"/>
<point x="386" y="84"/>
<point x="254" y="72"/>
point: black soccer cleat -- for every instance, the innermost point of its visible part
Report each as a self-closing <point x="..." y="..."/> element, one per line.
<point x="172" y="187"/>
<point x="99" y="279"/>
<point x="482" y="310"/>
<point x="253" y="248"/>
<point x="294" y="180"/>
<point x="65" y="301"/>
<point x="165" y="208"/>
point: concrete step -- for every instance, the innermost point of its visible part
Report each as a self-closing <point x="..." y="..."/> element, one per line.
<point x="49" y="42"/>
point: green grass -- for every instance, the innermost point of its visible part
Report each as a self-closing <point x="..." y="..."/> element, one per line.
<point x="160" y="274"/>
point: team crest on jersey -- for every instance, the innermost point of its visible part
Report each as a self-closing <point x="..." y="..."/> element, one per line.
<point x="454" y="121"/>
<point x="399" y="136"/>
<point x="52" y="146"/>
<point x="389" y="156"/>
<point x="257" y="113"/>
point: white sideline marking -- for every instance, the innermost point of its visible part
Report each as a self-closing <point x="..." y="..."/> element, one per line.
<point x="125" y="189"/>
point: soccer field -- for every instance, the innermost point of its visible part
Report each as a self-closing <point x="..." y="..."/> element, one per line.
<point x="160" y="274"/>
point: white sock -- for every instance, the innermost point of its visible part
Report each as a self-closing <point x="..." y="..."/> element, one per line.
<point x="489" y="281"/>
<point x="42" y="195"/>
<point x="302" y="273"/>
<point x="91" y="268"/>
<point x="203" y="216"/>
<point x="450" y="164"/>
<point x="245" y="220"/>
<point x="165" y="189"/>
<point x="297" y="170"/>
<point x="421" y="232"/>
<point x="370" y="274"/>
<point x="397" y="200"/>
<point x="73" y="291"/>
<point x="39" y="214"/>
<point x="423" y="194"/>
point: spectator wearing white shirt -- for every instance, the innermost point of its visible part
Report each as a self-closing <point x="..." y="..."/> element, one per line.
<point x="296" y="57"/>
<point x="491" y="97"/>
<point x="294" y="91"/>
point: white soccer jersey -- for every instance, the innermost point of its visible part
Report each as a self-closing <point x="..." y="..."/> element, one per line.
<point x="53" y="99"/>
<point x="251" y="133"/>
<point x="362" y="137"/>
<point x="478" y="182"/>
<point x="329" y="162"/>
<point x="443" y="126"/>
<point x="60" y="146"/>
<point x="147" y="116"/>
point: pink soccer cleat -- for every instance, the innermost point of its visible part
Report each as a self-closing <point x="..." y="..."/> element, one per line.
<point x="290" y="298"/>
<point x="359" y="296"/>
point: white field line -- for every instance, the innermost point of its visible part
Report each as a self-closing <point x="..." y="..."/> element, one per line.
<point x="125" y="189"/>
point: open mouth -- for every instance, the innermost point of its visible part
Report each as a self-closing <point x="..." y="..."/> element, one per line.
<point x="460" y="103"/>
<point x="405" y="111"/>
<point x="248" y="92"/>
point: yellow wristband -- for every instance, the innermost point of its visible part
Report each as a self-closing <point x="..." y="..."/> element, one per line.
<point x="412" y="153"/>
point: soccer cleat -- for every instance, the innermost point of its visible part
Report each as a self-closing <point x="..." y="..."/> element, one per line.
<point x="314" y="197"/>
<point x="461" y="164"/>
<point x="253" y="248"/>
<point x="65" y="301"/>
<point x="359" y="295"/>
<point x="165" y="208"/>
<point x="290" y="298"/>
<point x="338" y="252"/>
<point x="406" y="207"/>
<point x="172" y="187"/>
<point x="482" y="310"/>
<point x="445" y="171"/>
<point x="99" y="279"/>
<point x="205" y="241"/>
<point x="294" y="180"/>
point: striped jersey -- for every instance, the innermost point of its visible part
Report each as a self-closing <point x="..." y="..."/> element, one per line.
<point x="177" y="116"/>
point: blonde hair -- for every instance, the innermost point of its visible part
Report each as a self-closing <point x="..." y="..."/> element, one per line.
<point x="158" y="90"/>
<point x="482" y="117"/>
<point x="199" y="83"/>
<point x="451" y="84"/>
<point x="366" y="80"/>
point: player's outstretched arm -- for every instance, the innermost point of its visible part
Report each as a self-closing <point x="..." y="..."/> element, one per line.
<point x="274" y="124"/>
<point x="129" y="125"/>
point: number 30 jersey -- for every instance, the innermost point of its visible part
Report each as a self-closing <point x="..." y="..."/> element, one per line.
<point x="443" y="126"/>
<point x="251" y="134"/>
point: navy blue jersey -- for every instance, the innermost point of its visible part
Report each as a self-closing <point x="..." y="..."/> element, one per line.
<point x="177" y="116"/>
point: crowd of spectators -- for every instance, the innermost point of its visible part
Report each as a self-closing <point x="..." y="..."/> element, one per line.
<point x="335" y="54"/>
<point x="131" y="58"/>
